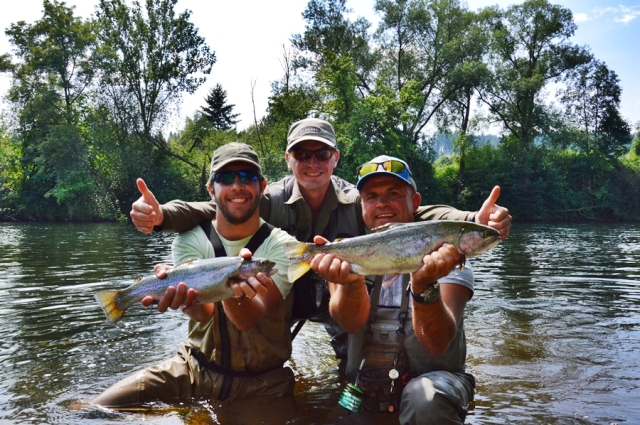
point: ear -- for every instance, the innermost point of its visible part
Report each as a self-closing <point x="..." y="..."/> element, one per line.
<point x="415" y="201"/>
<point x="210" y="189"/>
<point x="286" y="158"/>
<point x="337" y="156"/>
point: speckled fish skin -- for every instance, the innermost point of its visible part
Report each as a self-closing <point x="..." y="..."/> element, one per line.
<point x="397" y="248"/>
<point x="209" y="277"/>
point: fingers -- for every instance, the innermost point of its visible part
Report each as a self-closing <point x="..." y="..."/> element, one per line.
<point x="145" y="212"/>
<point x="245" y="253"/>
<point x="173" y="298"/>
<point x="437" y="264"/>
<point x="333" y="269"/>
<point x="161" y="270"/>
<point x="252" y="287"/>
<point x="488" y="206"/>
<point x="319" y="240"/>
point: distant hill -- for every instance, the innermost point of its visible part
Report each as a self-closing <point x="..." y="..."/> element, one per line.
<point x="442" y="144"/>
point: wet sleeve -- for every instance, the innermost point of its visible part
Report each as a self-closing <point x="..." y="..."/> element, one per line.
<point x="439" y="212"/>
<point x="180" y="216"/>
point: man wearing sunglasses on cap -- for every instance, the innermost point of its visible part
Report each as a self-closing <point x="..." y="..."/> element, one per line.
<point x="237" y="347"/>
<point x="426" y="353"/>
<point x="310" y="202"/>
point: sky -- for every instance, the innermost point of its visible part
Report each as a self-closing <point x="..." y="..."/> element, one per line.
<point x="249" y="37"/>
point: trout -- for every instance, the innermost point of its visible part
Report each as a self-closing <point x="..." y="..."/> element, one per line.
<point x="395" y="248"/>
<point x="210" y="278"/>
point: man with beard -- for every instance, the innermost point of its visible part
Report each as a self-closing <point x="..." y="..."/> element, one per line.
<point x="311" y="201"/>
<point x="236" y="347"/>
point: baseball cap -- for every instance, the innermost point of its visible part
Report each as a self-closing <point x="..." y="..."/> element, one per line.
<point x="311" y="129"/>
<point x="384" y="164"/>
<point x="234" y="152"/>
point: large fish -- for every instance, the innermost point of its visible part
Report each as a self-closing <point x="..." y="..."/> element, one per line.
<point x="395" y="248"/>
<point x="210" y="278"/>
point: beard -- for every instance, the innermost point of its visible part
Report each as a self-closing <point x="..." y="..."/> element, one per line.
<point x="237" y="217"/>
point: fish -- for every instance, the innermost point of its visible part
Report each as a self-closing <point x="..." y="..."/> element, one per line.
<point x="209" y="277"/>
<point x="395" y="248"/>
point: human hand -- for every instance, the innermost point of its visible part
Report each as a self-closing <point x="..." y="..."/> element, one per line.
<point x="253" y="286"/>
<point x="493" y="215"/>
<point x="331" y="268"/>
<point x="435" y="265"/>
<point x="146" y="212"/>
<point x="174" y="298"/>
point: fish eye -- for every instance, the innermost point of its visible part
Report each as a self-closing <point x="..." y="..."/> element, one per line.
<point x="487" y="234"/>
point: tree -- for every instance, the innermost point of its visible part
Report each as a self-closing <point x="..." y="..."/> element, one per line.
<point x="217" y="111"/>
<point x="50" y="96"/>
<point x="529" y="48"/>
<point x="592" y="102"/>
<point x="151" y="57"/>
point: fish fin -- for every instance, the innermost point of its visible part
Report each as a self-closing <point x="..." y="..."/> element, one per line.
<point x="185" y="262"/>
<point x="137" y="279"/>
<point x="385" y="227"/>
<point x="107" y="301"/>
<point x="298" y="265"/>
<point x="463" y="260"/>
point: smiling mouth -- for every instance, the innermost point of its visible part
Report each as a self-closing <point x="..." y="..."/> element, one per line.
<point x="238" y="200"/>
<point x="387" y="215"/>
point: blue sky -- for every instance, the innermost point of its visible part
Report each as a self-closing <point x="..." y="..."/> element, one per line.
<point x="248" y="38"/>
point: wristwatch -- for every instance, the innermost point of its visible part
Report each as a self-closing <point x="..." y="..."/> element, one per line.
<point x="429" y="296"/>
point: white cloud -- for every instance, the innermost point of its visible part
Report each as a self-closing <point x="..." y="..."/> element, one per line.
<point x="622" y="14"/>
<point x="581" y="17"/>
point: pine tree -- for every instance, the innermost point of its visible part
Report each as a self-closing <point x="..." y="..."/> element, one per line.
<point x="219" y="114"/>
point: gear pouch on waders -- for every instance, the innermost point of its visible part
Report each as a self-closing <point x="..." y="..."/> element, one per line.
<point x="384" y="367"/>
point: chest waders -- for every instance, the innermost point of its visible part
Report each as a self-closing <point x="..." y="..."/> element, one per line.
<point x="225" y="343"/>
<point x="383" y="369"/>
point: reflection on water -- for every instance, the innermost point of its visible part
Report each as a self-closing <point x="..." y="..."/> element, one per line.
<point x="553" y="330"/>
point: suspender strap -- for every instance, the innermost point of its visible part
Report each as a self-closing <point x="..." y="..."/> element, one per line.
<point x="225" y="343"/>
<point x="404" y="303"/>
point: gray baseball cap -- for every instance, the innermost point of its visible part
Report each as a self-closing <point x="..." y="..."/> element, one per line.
<point x="232" y="152"/>
<point x="311" y="129"/>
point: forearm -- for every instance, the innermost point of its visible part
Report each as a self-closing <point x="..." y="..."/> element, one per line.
<point x="349" y="305"/>
<point x="439" y="212"/>
<point x="180" y="216"/>
<point x="434" y="325"/>
<point x="245" y="313"/>
<point x="200" y="312"/>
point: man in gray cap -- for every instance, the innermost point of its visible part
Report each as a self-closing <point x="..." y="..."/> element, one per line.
<point x="310" y="202"/>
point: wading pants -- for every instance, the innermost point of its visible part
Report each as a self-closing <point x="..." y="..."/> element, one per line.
<point x="437" y="398"/>
<point x="183" y="378"/>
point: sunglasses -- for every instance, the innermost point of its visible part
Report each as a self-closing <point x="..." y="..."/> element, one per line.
<point x="304" y="155"/>
<point x="245" y="176"/>
<point x="391" y="166"/>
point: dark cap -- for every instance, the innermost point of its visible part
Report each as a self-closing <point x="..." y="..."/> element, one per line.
<point x="234" y="152"/>
<point x="385" y="165"/>
<point x="311" y="129"/>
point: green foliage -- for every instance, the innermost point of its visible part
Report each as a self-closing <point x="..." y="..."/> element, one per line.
<point x="217" y="111"/>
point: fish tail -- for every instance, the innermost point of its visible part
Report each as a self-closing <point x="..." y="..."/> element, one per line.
<point x="299" y="262"/>
<point x="107" y="301"/>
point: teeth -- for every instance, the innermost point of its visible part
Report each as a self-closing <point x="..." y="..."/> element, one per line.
<point x="237" y="200"/>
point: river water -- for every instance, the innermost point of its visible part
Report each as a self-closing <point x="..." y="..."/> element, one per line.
<point x="553" y="331"/>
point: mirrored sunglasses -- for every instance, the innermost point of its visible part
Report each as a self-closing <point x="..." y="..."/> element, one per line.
<point x="391" y="166"/>
<point x="245" y="176"/>
<point x="304" y="155"/>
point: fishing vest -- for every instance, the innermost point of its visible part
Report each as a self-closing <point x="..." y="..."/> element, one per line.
<point x="311" y="295"/>
<point x="228" y="358"/>
<point x="419" y="360"/>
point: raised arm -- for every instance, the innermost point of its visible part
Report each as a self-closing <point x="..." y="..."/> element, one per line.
<point x="147" y="214"/>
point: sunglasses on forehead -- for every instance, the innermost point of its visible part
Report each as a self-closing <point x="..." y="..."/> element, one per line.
<point x="304" y="155"/>
<point x="245" y="176"/>
<point x="391" y="166"/>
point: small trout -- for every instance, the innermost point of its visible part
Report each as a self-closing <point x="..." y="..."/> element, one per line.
<point x="210" y="278"/>
<point x="395" y="248"/>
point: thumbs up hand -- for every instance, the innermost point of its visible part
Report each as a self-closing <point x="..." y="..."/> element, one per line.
<point x="146" y="212"/>
<point x="493" y="215"/>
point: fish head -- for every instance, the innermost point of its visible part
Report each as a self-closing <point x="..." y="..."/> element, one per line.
<point x="252" y="266"/>
<point x="477" y="238"/>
